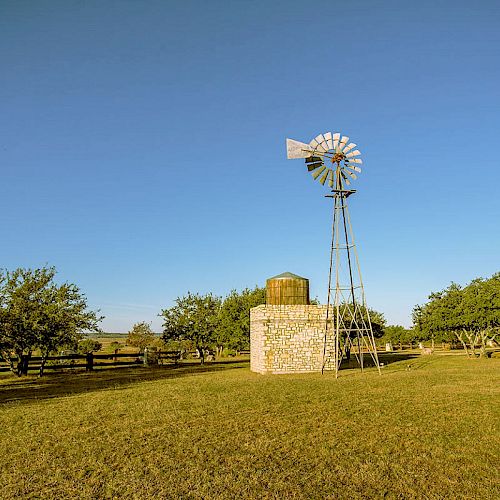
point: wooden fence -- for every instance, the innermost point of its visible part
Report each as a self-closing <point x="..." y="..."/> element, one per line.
<point x="89" y="361"/>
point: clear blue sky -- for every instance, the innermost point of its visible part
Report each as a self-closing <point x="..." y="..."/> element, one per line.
<point x="143" y="145"/>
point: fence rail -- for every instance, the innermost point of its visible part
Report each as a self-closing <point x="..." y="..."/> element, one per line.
<point x="88" y="361"/>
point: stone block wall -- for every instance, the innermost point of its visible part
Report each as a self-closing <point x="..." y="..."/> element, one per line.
<point x="289" y="339"/>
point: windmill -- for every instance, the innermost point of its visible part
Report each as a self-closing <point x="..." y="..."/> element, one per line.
<point x="334" y="161"/>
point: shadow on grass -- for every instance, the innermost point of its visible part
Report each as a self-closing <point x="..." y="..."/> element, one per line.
<point x="384" y="358"/>
<point x="55" y="385"/>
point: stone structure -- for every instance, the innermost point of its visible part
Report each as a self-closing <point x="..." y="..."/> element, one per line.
<point x="289" y="339"/>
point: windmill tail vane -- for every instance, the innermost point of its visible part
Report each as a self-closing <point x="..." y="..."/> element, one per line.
<point x="335" y="162"/>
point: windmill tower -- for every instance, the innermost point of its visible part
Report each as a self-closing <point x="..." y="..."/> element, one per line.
<point x="334" y="162"/>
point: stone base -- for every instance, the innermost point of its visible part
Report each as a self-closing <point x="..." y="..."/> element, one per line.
<point x="288" y="339"/>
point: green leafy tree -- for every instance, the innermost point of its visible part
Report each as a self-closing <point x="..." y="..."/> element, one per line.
<point x="20" y="295"/>
<point x="141" y="335"/>
<point x="480" y="319"/>
<point x="470" y="313"/>
<point x="377" y="320"/>
<point x="396" y="334"/>
<point x="87" y="346"/>
<point x="439" y="318"/>
<point x="37" y="313"/>
<point x="193" y="318"/>
<point x="234" y="320"/>
<point x="65" y="316"/>
<point x="114" y="346"/>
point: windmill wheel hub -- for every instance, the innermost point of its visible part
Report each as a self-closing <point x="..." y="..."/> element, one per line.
<point x="338" y="157"/>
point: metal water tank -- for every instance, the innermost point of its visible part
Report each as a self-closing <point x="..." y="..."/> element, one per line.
<point x="287" y="289"/>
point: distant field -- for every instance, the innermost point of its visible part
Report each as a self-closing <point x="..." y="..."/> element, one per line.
<point x="119" y="337"/>
<point x="427" y="432"/>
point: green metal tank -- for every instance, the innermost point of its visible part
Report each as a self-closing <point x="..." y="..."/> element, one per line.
<point x="287" y="289"/>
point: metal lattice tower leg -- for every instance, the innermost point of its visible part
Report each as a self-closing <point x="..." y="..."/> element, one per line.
<point x="348" y="326"/>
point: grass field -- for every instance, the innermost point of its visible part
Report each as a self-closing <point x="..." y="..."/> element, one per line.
<point x="428" y="432"/>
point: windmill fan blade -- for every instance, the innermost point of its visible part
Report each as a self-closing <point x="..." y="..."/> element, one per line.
<point x="322" y="147"/>
<point x="349" y="147"/>
<point x="350" y="174"/>
<point x="313" y="144"/>
<point x="346" y="180"/>
<point x="313" y="162"/>
<point x="355" y="168"/>
<point x="343" y="142"/>
<point x="314" y="166"/>
<point x="297" y="149"/>
<point x="318" y="172"/>
<point x="311" y="168"/>
<point x="355" y="160"/>
<point x="328" y="139"/>
<point x="353" y="153"/>
<point x="336" y="138"/>
<point x="313" y="159"/>
<point x="325" y="176"/>
<point x="330" y="178"/>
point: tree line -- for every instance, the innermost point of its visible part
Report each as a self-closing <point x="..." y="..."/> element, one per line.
<point x="36" y="313"/>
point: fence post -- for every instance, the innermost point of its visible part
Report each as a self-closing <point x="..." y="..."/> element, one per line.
<point x="150" y="356"/>
<point x="90" y="362"/>
<point x="25" y="362"/>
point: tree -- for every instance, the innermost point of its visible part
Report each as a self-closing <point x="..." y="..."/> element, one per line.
<point x="114" y="346"/>
<point x="480" y="307"/>
<point x="378" y="322"/>
<point x="87" y="346"/>
<point x="234" y="318"/>
<point x="19" y="298"/>
<point x="141" y="335"/>
<point x="470" y="313"/>
<point x="194" y="318"/>
<point x="64" y="318"/>
<point x="377" y="319"/>
<point x="36" y="313"/>
<point x="438" y="318"/>
<point x="396" y="334"/>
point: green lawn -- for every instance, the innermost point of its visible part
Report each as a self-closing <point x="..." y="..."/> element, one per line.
<point x="427" y="432"/>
